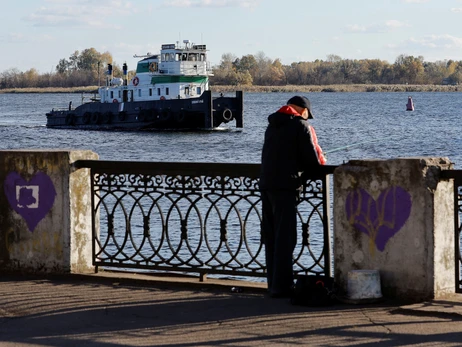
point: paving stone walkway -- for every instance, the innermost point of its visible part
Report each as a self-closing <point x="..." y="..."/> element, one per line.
<point x="132" y="310"/>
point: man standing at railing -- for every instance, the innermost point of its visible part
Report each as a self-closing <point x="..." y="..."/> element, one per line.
<point x="290" y="149"/>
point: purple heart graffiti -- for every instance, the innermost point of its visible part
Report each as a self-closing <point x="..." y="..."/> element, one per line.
<point x="33" y="199"/>
<point x="380" y="219"/>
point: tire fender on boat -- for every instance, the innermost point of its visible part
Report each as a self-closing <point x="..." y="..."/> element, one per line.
<point x="166" y="114"/>
<point x="136" y="80"/>
<point x="86" y="117"/>
<point x="107" y="117"/>
<point x="70" y="119"/>
<point x="115" y="101"/>
<point x="142" y="116"/>
<point x="95" y="117"/>
<point x="227" y="114"/>
<point x="180" y="116"/>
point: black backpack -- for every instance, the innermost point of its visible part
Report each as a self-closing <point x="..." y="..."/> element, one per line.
<point x="312" y="290"/>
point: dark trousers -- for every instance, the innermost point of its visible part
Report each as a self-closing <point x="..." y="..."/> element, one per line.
<point x="279" y="231"/>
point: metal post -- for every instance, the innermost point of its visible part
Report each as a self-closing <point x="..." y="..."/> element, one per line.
<point x="240" y="107"/>
<point x="326" y="225"/>
<point x="457" y="235"/>
<point x="93" y="221"/>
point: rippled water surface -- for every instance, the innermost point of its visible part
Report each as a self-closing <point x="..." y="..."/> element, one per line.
<point x="377" y="123"/>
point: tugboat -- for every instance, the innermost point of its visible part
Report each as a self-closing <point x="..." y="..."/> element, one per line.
<point x="170" y="90"/>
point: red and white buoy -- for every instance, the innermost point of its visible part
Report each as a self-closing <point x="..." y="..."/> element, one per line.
<point x="410" y="104"/>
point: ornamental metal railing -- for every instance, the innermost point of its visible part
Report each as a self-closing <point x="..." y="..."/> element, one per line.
<point x="201" y="218"/>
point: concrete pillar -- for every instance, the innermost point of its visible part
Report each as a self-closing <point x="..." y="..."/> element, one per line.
<point x="45" y="212"/>
<point x="396" y="216"/>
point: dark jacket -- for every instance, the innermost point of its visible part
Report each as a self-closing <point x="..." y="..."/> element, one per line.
<point x="290" y="148"/>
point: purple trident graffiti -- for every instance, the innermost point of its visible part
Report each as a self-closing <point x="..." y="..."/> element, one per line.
<point x="33" y="199"/>
<point x="380" y="219"/>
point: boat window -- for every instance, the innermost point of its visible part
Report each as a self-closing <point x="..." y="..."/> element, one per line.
<point x="178" y="57"/>
<point x="198" y="90"/>
<point x="186" y="90"/>
<point x="166" y="91"/>
<point x="150" y="92"/>
<point x="112" y="94"/>
<point x="185" y="57"/>
<point x="119" y="94"/>
<point x="202" y="57"/>
<point x="172" y="56"/>
<point x="139" y="92"/>
<point x="158" y="91"/>
<point x="163" y="56"/>
<point x="192" y="57"/>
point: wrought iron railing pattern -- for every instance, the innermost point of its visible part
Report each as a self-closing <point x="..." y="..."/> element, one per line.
<point x="197" y="217"/>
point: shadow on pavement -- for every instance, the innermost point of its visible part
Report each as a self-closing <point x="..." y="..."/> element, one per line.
<point x="42" y="312"/>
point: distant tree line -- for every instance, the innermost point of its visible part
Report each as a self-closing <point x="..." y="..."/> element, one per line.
<point x="261" y="70"/>
<point x="87" y="68"/>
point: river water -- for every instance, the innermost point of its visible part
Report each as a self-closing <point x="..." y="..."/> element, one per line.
<point x="376" y="124"/>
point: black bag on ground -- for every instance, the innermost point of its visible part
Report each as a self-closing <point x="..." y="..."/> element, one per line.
<point x="311" y="290"/>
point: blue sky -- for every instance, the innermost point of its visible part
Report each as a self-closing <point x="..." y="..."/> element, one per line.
<point x="38" y="33"/>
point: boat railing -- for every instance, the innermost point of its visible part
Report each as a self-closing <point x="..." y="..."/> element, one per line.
<point x="200" y="218"/>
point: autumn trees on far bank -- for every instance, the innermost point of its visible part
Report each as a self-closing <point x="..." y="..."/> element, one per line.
<point x="261" y="70"/>
<point x="84" y="68"/>
<point x="87" y="68"/>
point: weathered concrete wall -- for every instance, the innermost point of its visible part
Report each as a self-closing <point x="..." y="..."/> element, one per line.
<point x="45" y="212"/>
<point x="395" y="216"/>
